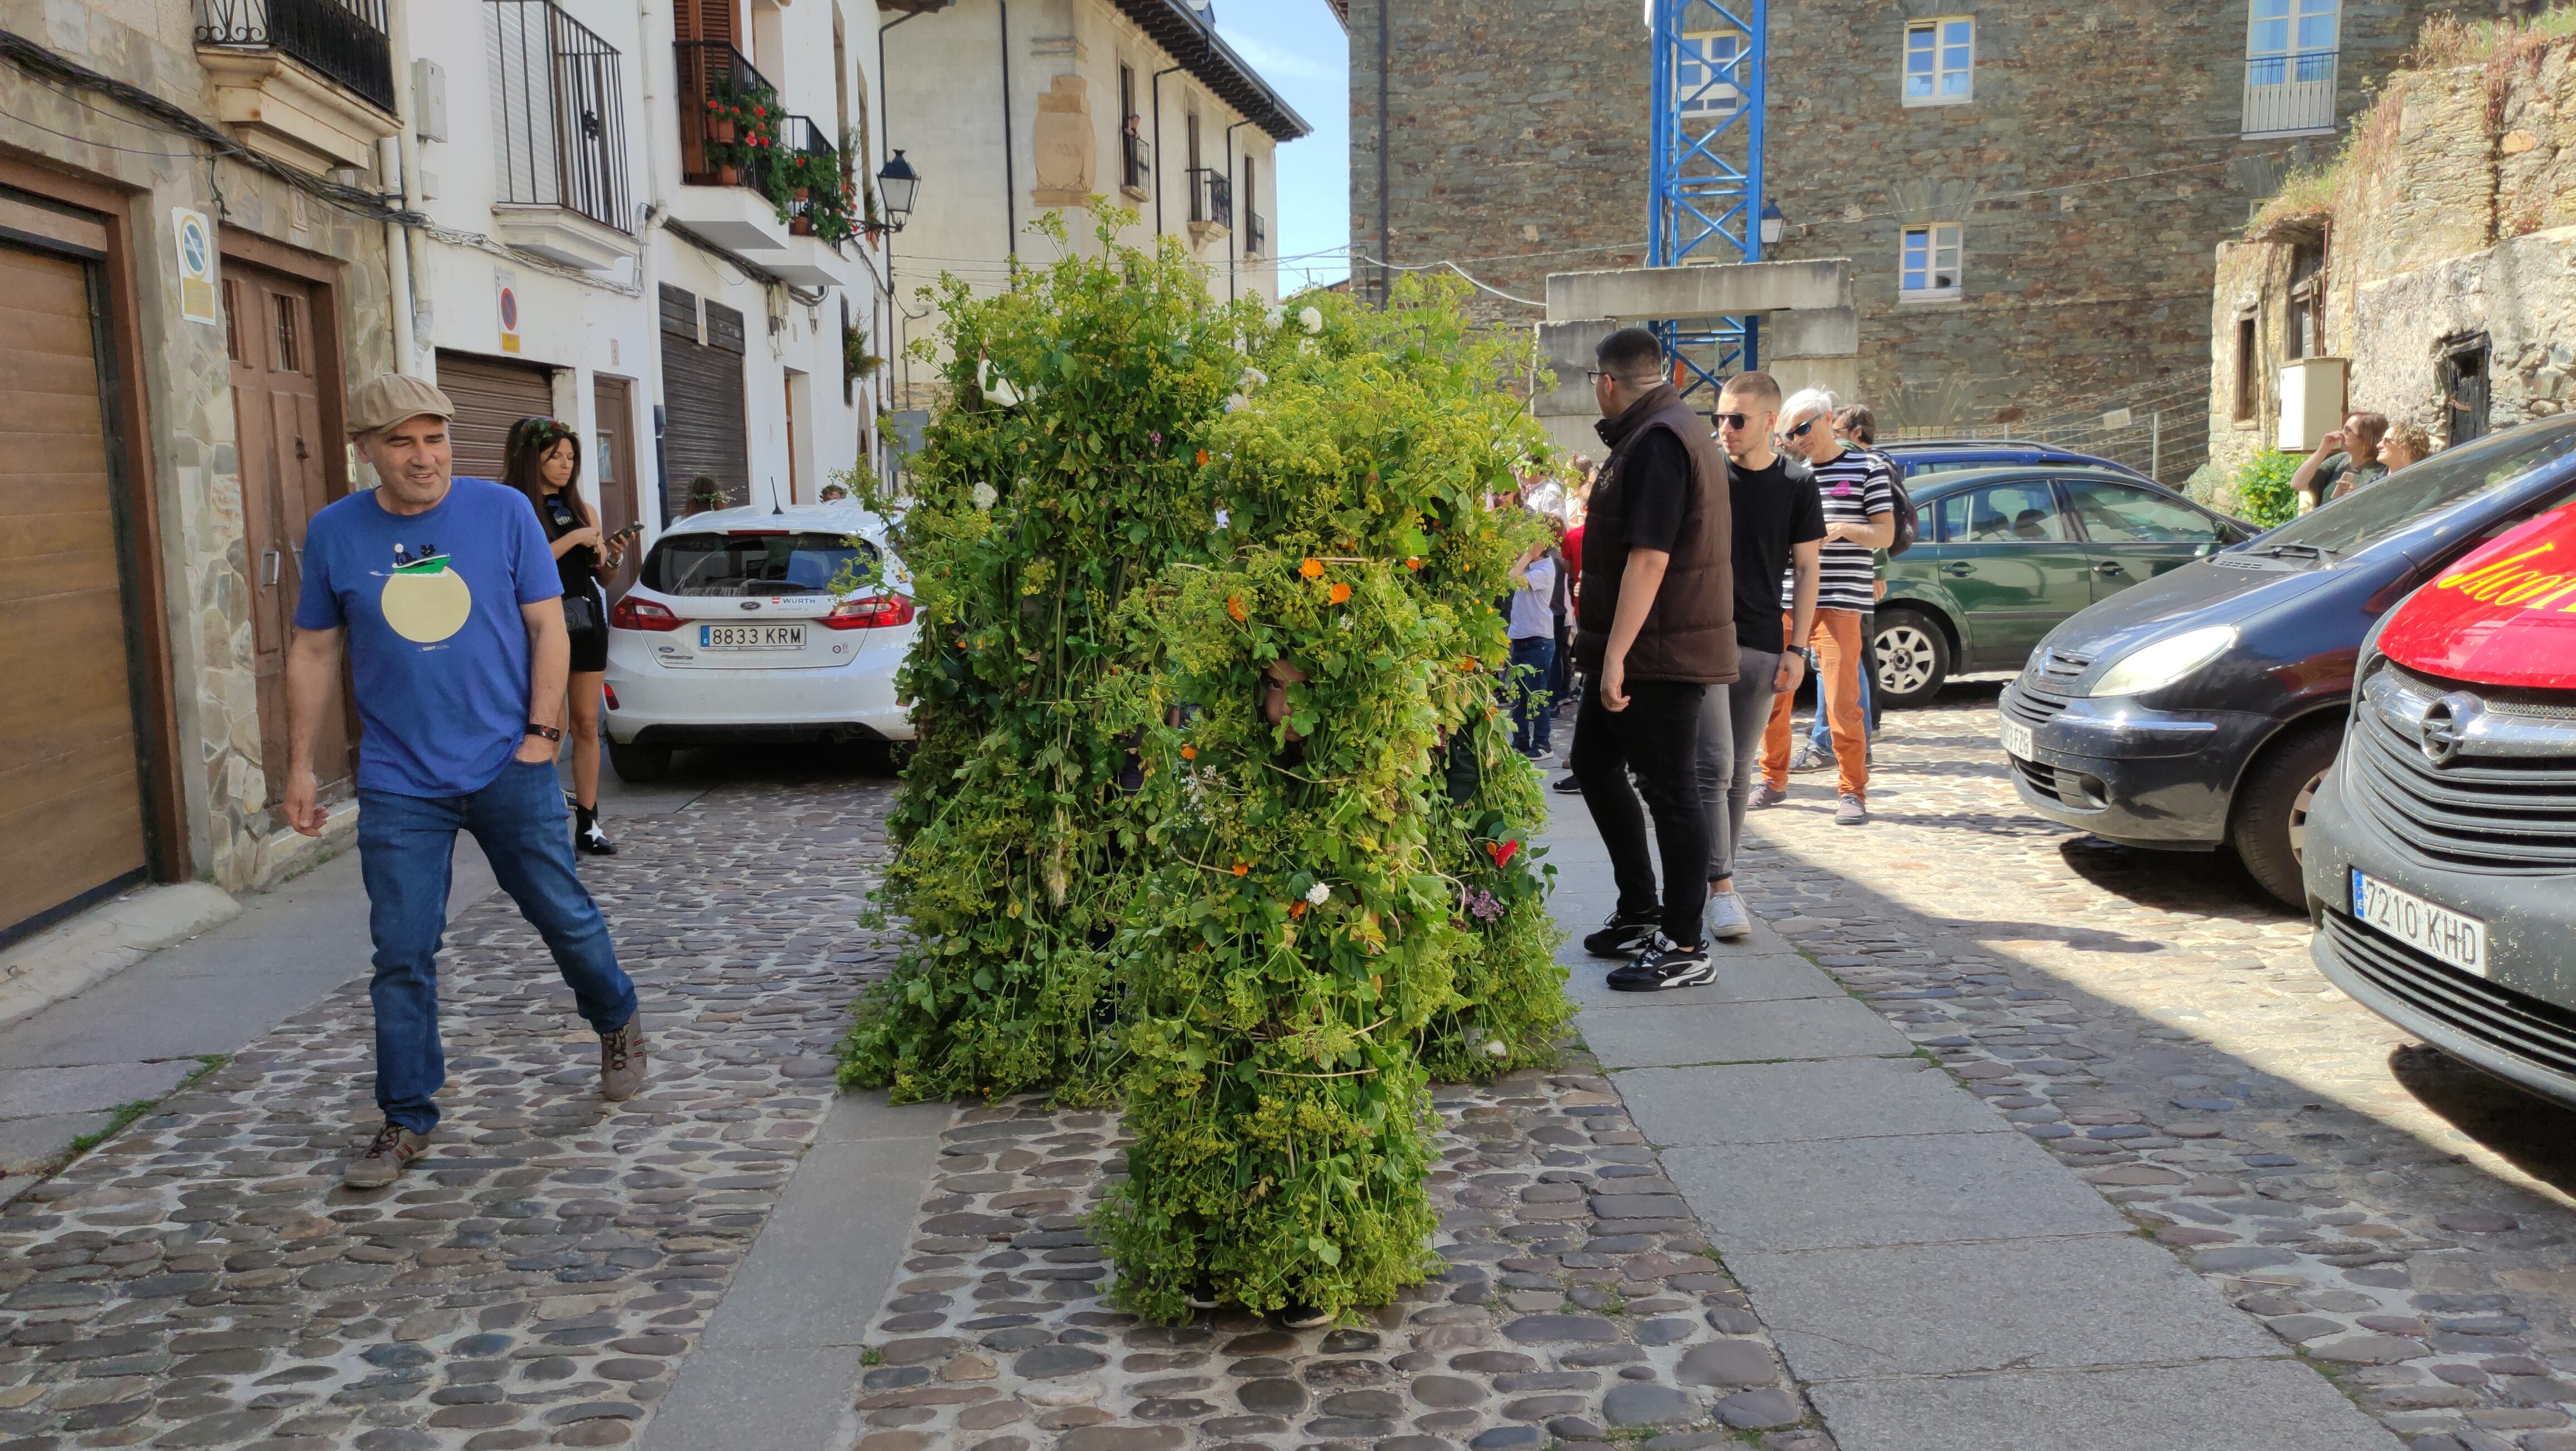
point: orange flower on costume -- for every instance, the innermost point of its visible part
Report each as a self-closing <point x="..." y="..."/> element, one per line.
<point x="1414" y="562"/>
<point x="1296" y="909"/>
<point x="1312" y="569"/>
<point x="1340" y="592"/>
<point x="1470" y="664"/>
<point x="1189" y="753"/>
<point x="1202" y="458"/>
<point x="1234" y="607"/>
<point x="1241" y="869"/>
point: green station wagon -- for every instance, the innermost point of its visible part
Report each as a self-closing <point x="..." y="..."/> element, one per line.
<point x="2002" y="555"/>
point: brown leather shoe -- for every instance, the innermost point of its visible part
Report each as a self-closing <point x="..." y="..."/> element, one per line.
<point x="621" y="1061"/>
<point x="387" y="1155"/>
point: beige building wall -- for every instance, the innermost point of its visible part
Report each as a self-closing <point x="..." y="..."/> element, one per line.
<point x="982" y="185"/>
<point x="113" y="161"/>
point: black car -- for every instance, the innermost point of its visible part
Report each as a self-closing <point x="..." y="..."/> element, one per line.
<point x="2201" y="708"/>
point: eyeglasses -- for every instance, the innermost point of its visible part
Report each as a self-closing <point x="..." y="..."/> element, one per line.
<point x="1801" y="430"/>
<point x="1735" y="421"/>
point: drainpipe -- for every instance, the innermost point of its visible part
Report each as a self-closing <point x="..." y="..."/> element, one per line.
<point x="1010" y="181"/>
<point x="1385" y="247"/>
<point x="1233" y="232"/>
<point x="409" y="287"/>
<point x="657" y="508"/>
<point x="397" y="253"/>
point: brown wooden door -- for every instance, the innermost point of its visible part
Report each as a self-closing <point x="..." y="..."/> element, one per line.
<point x="611" y="456"/>
<point x="71" y="780"/>
<point x="277" y="415"/>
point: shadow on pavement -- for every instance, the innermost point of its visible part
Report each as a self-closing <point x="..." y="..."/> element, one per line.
<point x="2536" y="1134"/>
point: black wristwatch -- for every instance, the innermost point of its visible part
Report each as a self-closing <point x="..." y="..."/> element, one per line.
<point x="547" y="731"/>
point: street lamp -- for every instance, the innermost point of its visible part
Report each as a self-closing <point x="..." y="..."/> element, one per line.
<point x="896" y="184"/>
<point x="1773" y="224"/>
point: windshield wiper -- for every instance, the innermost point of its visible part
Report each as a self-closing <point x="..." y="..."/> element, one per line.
<point x="2319" y="552"/>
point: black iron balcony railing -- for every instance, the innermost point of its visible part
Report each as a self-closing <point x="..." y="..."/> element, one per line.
<point x="1256" y="234"/>
<point x="806" y="181"/>
<point x="558" y="114"/>
<point x="729" y="117"/>
<point x="1139" y="157"/>
<point x="2294" y="91"/>
<point x="1211" y="197"/>
<point x="342" y="39"/>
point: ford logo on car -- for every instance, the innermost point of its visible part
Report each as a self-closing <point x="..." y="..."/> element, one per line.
<point x="751" y="604"/>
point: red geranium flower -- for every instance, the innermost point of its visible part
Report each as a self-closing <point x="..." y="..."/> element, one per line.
<point x="1503" y="851"/>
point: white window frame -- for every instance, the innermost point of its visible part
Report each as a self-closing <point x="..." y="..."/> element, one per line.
<point x="1937" y="239"/>
<point x="1708" y="58"/>
<point x="2292" y="51"/>
<point x="1944" y="83"/>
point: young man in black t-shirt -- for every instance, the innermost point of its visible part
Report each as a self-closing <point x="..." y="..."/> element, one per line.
<point x="1779" y="525"/>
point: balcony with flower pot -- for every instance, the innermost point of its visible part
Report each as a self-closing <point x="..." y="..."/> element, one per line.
<point x="817" y="199"/>
<point x="730" y="119"/>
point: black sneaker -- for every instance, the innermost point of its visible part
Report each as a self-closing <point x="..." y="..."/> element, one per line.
<point x="1622" y="935"/>
<point x="587" y="838"/>
<point x="1665" y="964"/>
<point x="1569" y="786"/>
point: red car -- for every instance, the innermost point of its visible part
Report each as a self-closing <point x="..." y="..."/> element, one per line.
<point x="2441" y="851"/>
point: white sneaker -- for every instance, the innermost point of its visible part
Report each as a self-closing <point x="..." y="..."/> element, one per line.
<point x="1724" y="919"/>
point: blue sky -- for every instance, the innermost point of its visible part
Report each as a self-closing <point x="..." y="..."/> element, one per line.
<point x="1301" y="50"/>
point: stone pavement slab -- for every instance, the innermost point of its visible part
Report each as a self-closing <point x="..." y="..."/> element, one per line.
<point x="2263" y="1405"/>
<point x="1654" y="1033"/>
<point x="2098" y="1300"/>
<point x="1773" y="1103"/>
<point x="30" y="1145"/>
<point x="1925" y="1189"/>
<point x="1750" y="978"/>
<point x="36" y="1092"/>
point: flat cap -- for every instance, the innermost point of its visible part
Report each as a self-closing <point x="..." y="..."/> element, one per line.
<point x="389" y="398"/>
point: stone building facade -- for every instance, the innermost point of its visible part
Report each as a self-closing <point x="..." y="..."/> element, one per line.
<point x="2437" y="262"/>
<point x="2086" y="160"/>
<point x="89" y="181"/>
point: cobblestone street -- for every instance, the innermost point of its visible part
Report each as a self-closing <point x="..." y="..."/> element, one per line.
<point x="555" y="1268"/>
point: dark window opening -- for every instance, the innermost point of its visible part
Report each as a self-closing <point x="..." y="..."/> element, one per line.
<point x="732" y="565"/>
<point x="2463" y="379"/>
<point x="2245" y="376"/>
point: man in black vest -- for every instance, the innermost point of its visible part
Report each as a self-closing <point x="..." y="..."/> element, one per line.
<point x="1655" y="628"/>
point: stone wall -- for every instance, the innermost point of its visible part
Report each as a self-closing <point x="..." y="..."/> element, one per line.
<point x="2454" y="215"/>
<point x="1520" y="126"/>
<point x="188" y="431"/>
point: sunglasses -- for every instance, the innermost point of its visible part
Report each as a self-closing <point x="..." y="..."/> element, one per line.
<point x="1735" y="421"/>
<point x="1801" y="430"/>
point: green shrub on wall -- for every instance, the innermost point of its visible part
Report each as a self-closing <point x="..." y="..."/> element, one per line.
<point x="1213" y="808"/>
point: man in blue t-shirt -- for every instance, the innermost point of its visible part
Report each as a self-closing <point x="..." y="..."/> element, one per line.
<point x="447" y="598"/>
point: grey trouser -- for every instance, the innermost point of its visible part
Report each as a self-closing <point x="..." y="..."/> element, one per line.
<point x="1731" y="714"/>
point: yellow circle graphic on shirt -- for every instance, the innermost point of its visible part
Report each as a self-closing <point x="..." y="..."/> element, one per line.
<point x="426" y="602"/>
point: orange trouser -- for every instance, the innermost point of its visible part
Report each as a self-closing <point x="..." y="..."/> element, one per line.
<point x="1836" y="641"/>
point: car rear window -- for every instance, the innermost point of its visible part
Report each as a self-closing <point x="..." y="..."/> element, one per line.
<point x="2452" y="476"/>
<point x="758" y="562"/>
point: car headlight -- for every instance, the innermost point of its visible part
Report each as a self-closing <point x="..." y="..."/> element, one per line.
<point x="2155" y="666"/>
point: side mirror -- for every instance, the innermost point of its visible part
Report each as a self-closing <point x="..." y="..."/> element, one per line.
<point x="2204" y="551"/>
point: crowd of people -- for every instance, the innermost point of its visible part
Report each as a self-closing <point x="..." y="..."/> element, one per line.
<point x="1695" y="578"/>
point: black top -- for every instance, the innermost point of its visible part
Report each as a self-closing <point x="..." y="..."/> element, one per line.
<point x="1773" y="512"/>
<point x="1658" y="479"/>
<point x="561" y="516"/>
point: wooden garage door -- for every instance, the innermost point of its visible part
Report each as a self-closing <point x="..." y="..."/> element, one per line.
<point x="706" y="429"/>
<point x="490" y="396"/>
<point x="71" y="784"/>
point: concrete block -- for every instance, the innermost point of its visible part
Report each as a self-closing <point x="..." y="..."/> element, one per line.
<point x="1746" y="979"/>
<point x="782" y="1398"/>
<point x="105" y="940"/>
<point x="1780" y="1103"/>
<point x="34" y="1092"/>
<point x="1659" y="1034"/>
<point x="31" y="1144"/>
<point x="1918" y="1190"/>
<point x="1844" y="1314"/>
<point x="1838" y="376"/>
<point x="1642" y="294"/>
<point x="2279" y="1405"/>
<point x="1569" y="349"/>
<point x="1824" y="332"/>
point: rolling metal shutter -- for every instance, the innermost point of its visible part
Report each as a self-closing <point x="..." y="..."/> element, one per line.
<point x="71" y="782"/>
<point x="490" y="396"/>
<point x="708" y="427"/>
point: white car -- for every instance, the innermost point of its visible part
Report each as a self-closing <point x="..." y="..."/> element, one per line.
<point x="742" y="630"/>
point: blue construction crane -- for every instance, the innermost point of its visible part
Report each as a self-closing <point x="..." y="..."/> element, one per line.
<point x="1704" y="174"/>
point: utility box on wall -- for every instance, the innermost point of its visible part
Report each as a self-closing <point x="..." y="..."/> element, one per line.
<point x="2312" y="398"/>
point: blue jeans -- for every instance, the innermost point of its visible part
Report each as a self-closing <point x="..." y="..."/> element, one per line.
<point x="1533" y="704"/>
<point x="404" y="847"/>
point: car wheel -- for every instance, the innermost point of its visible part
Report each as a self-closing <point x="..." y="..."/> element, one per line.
<point x="2271" y="821"/>
<point x="639" y="765"/>
<point x="1913" y="659"/>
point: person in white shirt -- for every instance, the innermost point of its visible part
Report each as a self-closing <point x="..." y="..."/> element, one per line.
<point x="1533" y="632"/>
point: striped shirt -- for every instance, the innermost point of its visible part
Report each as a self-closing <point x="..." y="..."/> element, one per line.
<point x="1854" y="488"/>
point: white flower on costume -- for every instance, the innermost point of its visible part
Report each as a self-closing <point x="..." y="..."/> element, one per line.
<point x="1318" y="894"/>
<point x="1312" y="320"/>
<point x="985" y="497"/>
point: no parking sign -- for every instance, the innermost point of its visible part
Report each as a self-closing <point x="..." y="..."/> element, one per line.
<point x="196" y="239"/>
<point x="506" y="288"/>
